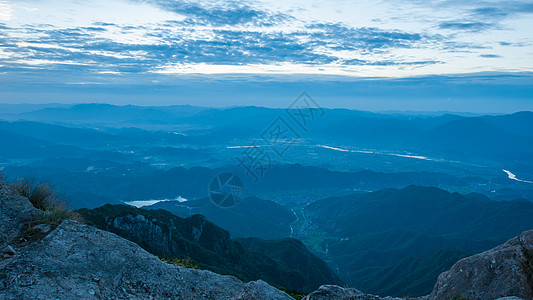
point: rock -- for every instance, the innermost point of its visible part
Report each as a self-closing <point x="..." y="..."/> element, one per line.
<point x="327" y="292"/>
<point x="8" y="250"/>
<point x="44" y="227"/>
<point x="67" y="261"/>
<point x="332" y="292"/>
<point x="142" y="230"/>
<point x="496" y="273"/>
<point x="15" y="211"/>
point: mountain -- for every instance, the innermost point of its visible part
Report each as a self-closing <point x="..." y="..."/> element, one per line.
<point x="519" y="123"/>
<point x="81" y="137"/>
<point x="423" y="209"/>
<point x="17" y="146"/>
<point x="379" y="240"/>
<point x="282" y="183"/>
<point x="110" y="115"/>
<point x="251" y="217"/>
<point x="295" y="255"/>
<point x="476" y="136"/>
<point x="211" y="248"/>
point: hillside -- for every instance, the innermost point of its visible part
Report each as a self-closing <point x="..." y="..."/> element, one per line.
<point x="295" y="255"/>
<point x="380" y="240"/>
<point x="251" y="217"/>
<point x="210" y="247"/>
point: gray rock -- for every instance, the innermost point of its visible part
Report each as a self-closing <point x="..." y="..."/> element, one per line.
<point x="75" y="260"/>
<point x="499" y="272"/>
<point x="8" y="250"/>
<point x="332" y="292"/>
<point x="327" y="292"/>
<point x="44" y="227"/>
<point x="15" y="211"/>
<point x="141" y="229"/>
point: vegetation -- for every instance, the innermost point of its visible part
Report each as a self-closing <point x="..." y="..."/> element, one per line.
<point x="29" y="234"/>
<point x="293" y="293"/>
<point x="43" y="197"/>
<point x="186" y="262"/>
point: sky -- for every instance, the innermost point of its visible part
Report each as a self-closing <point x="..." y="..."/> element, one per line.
<point x="375" y="55"/>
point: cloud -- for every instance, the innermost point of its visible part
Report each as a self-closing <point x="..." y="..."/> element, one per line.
<point x="367" y="39"/>
<point x="107" y="47"/>
<point x="490" y="56"/>
<point x="220" y="13"/>
<point x="6" y="11"/>
<point x="231" y="35"/>
<point x="490" y="12"/>
<point x="470" y="26"/>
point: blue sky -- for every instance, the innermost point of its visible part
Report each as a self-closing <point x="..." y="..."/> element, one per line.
<point x="53" y="50"/>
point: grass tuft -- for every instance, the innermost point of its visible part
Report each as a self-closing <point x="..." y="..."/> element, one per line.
<point x="186" y="262"/>
<point x="43" y="197"/>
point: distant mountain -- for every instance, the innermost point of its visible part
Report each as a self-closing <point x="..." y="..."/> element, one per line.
<point x="448" y="135"/>
<point x="141" y="181"/>
<point x="115" y="138"/>
<point x="476" y="136"/>
<point x="423" y="209"/>
<point x="519" y="123"/>
<point x="18" y="146"/>
<point x="389" y="235"/>
<point x="12" y="109"/>
<point x="251" y="217"/>
<point x="81" y="137"/>
<point x="210" y="247"/>
<point x="110" y="114"/>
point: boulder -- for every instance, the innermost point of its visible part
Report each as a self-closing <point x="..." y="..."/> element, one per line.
<point x="504" y="271"/>
<point x="15" y="211"/>
<point x="327" y="292"/>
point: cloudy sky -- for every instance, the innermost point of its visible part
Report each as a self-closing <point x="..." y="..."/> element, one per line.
<point x="164" y="43"/>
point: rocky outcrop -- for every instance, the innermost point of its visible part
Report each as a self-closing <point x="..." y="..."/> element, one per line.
<point x="504" y="271"/>
<point x="76" y="261"/>
<point x="15" y="211"/>
<point x="140" y="229"/>
<point x="327" y="292"/>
